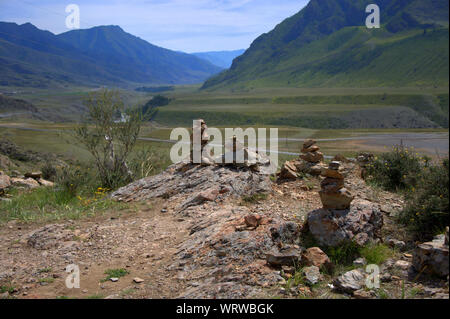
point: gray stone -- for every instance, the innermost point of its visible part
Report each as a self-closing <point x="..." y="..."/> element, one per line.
<point x="350" y="281"/>
<point x="311" y="275"/>
<point x="284" y="257"/>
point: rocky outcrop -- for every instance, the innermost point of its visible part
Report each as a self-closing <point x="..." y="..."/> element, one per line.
<point x="360" y="223"/>
<point x="197" y="183"/>
<point x="432" y="257"/>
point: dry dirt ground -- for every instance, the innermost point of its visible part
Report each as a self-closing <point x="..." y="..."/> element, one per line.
<point x="157" y="244"/>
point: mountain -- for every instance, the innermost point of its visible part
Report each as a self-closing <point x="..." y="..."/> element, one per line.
<point x="222" y="59"/>
<point x="104" y="55"/>
<point x="326" y="44"/>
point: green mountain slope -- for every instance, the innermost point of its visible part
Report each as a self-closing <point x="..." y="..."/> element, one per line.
<point x="327" y="45"/>
<point x="98" y="56"/>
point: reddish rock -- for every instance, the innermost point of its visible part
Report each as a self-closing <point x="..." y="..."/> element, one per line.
<point x="339" y="200"/>
<point x="252" y="220"/>
<point x="315" y="257"/>
<point x="332" y="173"/>
<point x="315" y="157"/>
<point x="288" y="171"/>
<point x="309" y="143"/>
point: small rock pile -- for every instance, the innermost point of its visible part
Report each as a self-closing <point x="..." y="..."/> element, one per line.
<point x="204" y="140"/>
<point x="309" y="162"/>
<point x="310" y="152"/>
<point x="333" y="193"/>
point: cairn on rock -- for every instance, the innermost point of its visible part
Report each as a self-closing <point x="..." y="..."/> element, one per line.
<point x="309" y="162"/>
<point x="310" y="152"/>
<point x="204" y="140"/>
<point x="333" y="193"/>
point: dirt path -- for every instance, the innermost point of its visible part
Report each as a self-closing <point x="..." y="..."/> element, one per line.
<point x="143" y="243"/>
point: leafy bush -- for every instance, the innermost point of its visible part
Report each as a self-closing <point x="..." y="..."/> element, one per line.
<point x="109" y="138"/>
<point x="396" y="170"/>
<point x="427" y="209"/>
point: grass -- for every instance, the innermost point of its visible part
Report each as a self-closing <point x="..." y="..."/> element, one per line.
<point x="115" y="273"/>
<point x="45" y="270"/>
<point x="376" y="253"/>
<point x="47" y="280"/>
<point x="49" y="204"/>
<point x="10" y="289"/>
<point x="255" y="198"/>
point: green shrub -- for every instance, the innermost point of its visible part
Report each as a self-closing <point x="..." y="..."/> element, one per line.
<point x="396" y="170"/>
<point x="76" y="179"/>
<point x="49" y="171"/>
<point x="427" y="209"/>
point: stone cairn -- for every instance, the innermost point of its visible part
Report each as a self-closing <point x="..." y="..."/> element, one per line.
<point x="310" y="152"/>
<point x="204" y="141"/>
<point x="308" y="162"/>
<point x="333" y="193"/>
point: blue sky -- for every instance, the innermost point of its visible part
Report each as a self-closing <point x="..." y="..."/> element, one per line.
<point x="184" y="25"/>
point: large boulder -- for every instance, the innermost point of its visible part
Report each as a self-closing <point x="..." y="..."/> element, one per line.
<point x="432" y="257"/>
<point x="360" y="223"/>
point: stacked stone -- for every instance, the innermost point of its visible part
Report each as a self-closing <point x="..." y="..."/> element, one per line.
<point x="310" y="152"/>
<point x="203" y="142"/>
<point x="333" y="193"/>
